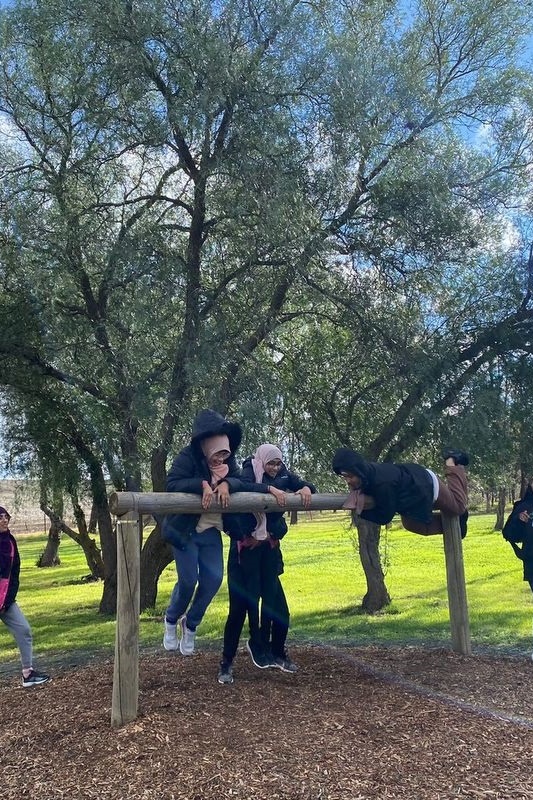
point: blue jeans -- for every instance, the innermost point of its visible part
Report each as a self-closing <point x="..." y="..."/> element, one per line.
<point x="200" y="569"/>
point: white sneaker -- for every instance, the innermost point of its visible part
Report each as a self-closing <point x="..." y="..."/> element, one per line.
<point x="187" y="638"/>
<point x="170" y="637"/>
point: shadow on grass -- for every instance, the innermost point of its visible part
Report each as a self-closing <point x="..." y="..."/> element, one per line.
<point x="500" y="630"/>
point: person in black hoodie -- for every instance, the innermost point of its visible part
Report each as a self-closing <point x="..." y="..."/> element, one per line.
<point x="379" y="491"/>
<point x="207" y="466"/>
<point x="255" y="564"/>
<point x="10" y="613"/>
<point x="518" y="530"/>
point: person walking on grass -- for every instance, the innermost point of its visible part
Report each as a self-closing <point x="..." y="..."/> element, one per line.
<point x="206" y="467"/>
<point x="379" y="491"/>
<point x="10" y="613"/>
<point x="254" y="565"/>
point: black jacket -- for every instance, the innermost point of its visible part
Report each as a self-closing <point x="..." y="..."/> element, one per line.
<point x="284" y="480"/>
<point x="405" y="489"/>
<point x="9" y="569"/>
<point x="190" y="468"/>
<point x="516" y="531"/>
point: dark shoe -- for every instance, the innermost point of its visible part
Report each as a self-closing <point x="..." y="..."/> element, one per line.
<point x="34" y="679"/>
<point x="459" y="456"/>
<point x="225" y="672"/>
<point x="285" y="663"/>
<point x="259" y="659"/>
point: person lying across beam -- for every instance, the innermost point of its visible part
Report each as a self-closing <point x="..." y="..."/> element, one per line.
<point x="379" y="491"/>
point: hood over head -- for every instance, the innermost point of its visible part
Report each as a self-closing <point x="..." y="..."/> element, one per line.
<point x="346" y="460"/>
<point x="210" y="423"/>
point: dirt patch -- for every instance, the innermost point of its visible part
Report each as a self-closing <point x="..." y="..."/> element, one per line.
<point x="353" y="723"/>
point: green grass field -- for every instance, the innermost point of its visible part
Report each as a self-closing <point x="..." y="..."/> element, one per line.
<point x="324" y="582"/>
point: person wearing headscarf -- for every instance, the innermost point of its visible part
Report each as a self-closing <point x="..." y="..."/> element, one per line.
<point x="10" y="613"/>
<point x="255" y="564"/>
<point x="207" y="467"/>
<point x="379" y="491"/>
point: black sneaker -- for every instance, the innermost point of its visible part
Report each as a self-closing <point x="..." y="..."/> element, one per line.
<point x="34" y="679"/>
<point x="285" y="663"/>
<point x="459" y="456"/>
<point x="225" y="672"/>
<point x="259" y="659"/>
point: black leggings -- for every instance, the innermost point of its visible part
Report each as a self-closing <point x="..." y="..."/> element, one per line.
<point x="253" y="576"/>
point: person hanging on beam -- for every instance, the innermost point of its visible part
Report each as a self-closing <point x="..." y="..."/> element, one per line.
<point x="379" y="491"/>
<point x="207" y="467"/>
<point x="255" y="563"/>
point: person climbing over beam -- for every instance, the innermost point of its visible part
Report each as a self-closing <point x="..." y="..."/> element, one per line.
<point x="379" y="491"/>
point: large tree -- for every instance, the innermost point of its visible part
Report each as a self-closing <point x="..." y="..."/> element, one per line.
<point x="200" y="200"/>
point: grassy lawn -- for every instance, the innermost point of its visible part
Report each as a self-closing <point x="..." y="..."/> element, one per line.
<point x="324" y="582"/>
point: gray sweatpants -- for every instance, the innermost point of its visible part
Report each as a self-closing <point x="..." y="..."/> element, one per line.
<point x="18" y="625"/>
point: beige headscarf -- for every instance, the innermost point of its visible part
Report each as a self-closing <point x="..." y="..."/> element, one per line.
<point x="263" y="454"/>
<point x="210" y="446"/>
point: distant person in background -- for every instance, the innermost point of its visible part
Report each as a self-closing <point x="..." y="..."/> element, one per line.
<point x="254" y="565"/>
<point x="518" y="530"/>
<point x="379" y="491"/>
<point x="10" y="613"/>
<point x="206" y="467"/>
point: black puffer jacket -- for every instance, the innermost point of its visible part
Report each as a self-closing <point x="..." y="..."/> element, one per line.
<point x="190" y="468"/>
<point x="284" y="480"/>
<point x="516" y="531"/>
<point x="405" y="489"/>
<point x="9" y="570"/>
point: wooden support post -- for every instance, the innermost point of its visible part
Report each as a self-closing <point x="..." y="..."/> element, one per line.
<point x="126" y="671"/>
<point x="455" y="574"/>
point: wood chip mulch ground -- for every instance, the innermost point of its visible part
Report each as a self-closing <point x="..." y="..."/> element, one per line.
<point x="353" y="723"/>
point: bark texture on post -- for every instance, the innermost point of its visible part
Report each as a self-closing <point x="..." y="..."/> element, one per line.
<point x="126" y="668"/>
<point x="161" y="503"/>
<point x="455" y="575"/>
<point x="377" y="596"/>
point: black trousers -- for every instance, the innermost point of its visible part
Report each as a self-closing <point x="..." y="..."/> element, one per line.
<point x="253" y="576"/>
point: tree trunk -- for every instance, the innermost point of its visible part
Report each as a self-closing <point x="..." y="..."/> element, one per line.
<point x="155" y="556"/>
<point x="108" y="603"/>
<point x="49" y="557"/>
<point x="377" y="596"/>
<point x="500" y="511"/>
<point x="294" y="516"/>
<point x="93" y="520"/>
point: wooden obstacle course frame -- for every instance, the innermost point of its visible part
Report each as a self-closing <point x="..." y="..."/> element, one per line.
<point x="129" y="508"/>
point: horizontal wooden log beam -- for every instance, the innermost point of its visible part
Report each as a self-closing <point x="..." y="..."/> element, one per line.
<point x="121" y="503"/>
